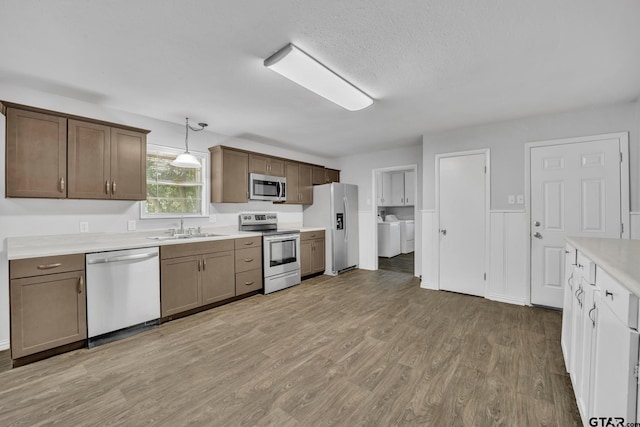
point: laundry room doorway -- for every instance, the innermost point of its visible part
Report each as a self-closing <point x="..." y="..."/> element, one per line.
<point x="395" y="194"/>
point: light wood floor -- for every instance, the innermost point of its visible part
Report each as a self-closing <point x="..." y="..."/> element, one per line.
<point x="364" y="348"/>
<point x="402" y="263"/>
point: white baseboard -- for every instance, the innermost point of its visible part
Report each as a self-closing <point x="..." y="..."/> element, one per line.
<point x="4" y="345"/>
<point x="501" y="298"/>
<point x="425" y="285"/>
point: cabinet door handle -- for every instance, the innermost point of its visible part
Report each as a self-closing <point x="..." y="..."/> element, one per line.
<point x="62" y="185"/>
<point x="593" y="321"/>
<point x="49" y="266"/>
<point x="113" y="187"/>
<point x="248" y="243"/>
<point x="608" y="294"/>
<point x="204" y="264"/>
<point x="106" y="186"/>
<point x="248" y="283"/>
<point x="248" y="259"/>
<point x="199" y="265"/>
<point x="80" y="283"/>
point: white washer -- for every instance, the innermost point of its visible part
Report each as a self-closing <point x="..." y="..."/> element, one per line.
<point x="388" y="239"/>
<point x="407" y="236"/>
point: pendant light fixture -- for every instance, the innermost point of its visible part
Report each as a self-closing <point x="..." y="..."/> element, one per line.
<point x="186" y="159"/>
<point x="299" y="67"/>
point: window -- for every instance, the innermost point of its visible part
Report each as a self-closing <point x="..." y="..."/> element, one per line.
<point x="172" y="191"/>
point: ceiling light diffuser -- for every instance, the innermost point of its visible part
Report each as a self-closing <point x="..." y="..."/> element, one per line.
<point x="302" y="69"/>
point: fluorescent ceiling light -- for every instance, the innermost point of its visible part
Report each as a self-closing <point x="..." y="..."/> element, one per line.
<point x="300" y="68"/>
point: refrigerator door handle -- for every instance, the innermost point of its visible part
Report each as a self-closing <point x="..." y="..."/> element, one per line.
<point x="345" y="202"/>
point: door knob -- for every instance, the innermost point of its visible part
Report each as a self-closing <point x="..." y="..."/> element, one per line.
<point x="443" y="231"/>
<point x="537" y="223"/>
<point x="537" y="235"/>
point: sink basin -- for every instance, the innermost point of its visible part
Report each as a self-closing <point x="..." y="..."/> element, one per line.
<point x="184" y="236"/>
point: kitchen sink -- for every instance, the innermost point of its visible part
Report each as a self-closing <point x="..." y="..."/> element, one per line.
<point x="184" y="236"/>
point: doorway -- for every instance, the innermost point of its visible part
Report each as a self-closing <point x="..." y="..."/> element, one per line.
<point x="577" y="187"/>
<point x="462" y="210"/>
<point x="395" y="195"/>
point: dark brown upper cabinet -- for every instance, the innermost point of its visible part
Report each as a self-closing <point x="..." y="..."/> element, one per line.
<point x="266" y="165"/>
<point x="229" y="175"/>
<point x="56" y="155"/>
<point x="36" y="164"/>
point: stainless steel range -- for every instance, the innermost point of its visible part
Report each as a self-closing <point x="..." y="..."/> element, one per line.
<point x="281" y="250"/>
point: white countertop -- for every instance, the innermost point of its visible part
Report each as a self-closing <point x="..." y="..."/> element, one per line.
<point x="63" y="244"/>
<point x="618" y="257"/>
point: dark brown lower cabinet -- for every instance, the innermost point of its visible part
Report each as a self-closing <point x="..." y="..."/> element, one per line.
<point x="47" y="310"/>
<point x="194" y="275"/>
<point x="312" y="252"/>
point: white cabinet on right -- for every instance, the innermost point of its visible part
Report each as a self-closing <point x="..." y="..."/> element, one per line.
<point x="396" y="188"/>
<point x="600" y="340"/>
<point x="614" y="387"/>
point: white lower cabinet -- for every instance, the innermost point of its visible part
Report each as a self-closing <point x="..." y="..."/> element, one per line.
<point x="600" y="343"/>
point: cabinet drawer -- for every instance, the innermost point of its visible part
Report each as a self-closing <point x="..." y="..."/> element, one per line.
<point x="248" y="259"/>
<point x="249" y="242"/>
<point x="311" y="235"/>
<point x="586" y="267"/>
<point x="248" y="281"/>
<point x="45" y="265"/>
<point x="622" y="302"/>
<point x="199" y="248"/>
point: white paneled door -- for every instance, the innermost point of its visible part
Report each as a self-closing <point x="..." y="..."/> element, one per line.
<point x="575" y="191"/>
<point x="462" y="223"/>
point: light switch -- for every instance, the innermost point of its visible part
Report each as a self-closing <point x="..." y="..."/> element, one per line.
<point x="131" y="225"/>
<point x="520" y="199"/>
<point x="511" y="199"/>
<point x="84" y="227"/>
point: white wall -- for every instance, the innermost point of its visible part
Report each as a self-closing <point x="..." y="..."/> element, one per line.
<point x="506" y="141"/>
<point x="22" y="217"/>
<point x="358" y="169"/>
<point x="507" y="281"/>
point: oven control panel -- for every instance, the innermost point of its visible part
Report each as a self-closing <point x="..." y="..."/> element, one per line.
<point x="251" y="218"/>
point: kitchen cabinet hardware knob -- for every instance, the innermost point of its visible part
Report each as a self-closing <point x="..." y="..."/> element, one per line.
<point x="443" y="231"/>
<point x="113" y="187"/>
<point x="106" y="186"/>
<point x="248" y="283"/>
<point x="248" y="259"/>
<point x="49" y="266"/>
<point x="61" y="185"/>
<point x="80" y="283"/>
<point x="608" y="294"/>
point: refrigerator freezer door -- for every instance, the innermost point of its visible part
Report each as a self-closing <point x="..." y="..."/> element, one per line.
<point x="339" y="228"/>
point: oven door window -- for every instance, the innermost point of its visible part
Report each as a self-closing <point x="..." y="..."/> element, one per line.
<point x="282" y="252"/>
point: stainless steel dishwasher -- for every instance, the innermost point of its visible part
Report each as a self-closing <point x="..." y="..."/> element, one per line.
<point x="123" y="293"/>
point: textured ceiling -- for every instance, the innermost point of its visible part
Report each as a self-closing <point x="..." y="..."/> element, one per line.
<point x="430" y="65"/>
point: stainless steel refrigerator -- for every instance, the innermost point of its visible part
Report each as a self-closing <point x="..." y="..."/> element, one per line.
<point x="335" y="207"/>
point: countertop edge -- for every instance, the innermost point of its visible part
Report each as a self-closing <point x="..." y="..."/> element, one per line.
<point x="630" y="280"/>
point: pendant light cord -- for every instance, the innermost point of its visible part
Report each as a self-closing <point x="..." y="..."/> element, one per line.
<point x="186" y="138"/>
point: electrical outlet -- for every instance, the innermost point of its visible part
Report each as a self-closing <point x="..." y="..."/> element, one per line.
<point x="511" y="199"/>
<point x="84" y="227"/>
<point x="212" y="218"/>
<point x="131" y="225"/>
<point x="520" y="199"/>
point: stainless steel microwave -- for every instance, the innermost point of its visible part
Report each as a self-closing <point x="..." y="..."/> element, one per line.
<point x="265" y="187"/>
